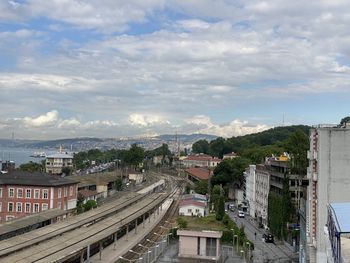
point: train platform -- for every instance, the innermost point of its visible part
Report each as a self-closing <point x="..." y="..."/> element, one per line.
<point x="112" y="253"/>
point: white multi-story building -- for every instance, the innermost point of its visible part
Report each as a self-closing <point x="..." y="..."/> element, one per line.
<point x="262" y="187"/>
<point x="55" y="162"/>
<point x="329" y="175"/>
<point x="250" y="185"/>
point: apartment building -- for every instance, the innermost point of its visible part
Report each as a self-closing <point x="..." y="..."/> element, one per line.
<point x="329" y="179"/>
<point x="23" y="193"/>
<point x="56" y="162"/>
<point x="262" y="188"/>
<point x="250" y="189"/>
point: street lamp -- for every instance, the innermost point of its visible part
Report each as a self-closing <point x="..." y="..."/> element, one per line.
<point x="248" y="243"/>
<point x="233" y="239"/>
<point x="236" y="236"/>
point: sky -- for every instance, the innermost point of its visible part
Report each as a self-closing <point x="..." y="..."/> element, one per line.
<point x="116" y="68"/>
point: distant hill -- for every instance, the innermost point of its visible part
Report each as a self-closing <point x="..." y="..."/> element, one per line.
<point x="271" y="136"/>
<point x="187" y="137"/>
<point x="66" y="143"/>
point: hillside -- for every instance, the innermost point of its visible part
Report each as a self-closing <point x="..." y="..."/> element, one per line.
<point x="253" y="146"/>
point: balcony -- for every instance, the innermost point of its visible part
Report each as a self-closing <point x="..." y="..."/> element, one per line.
<point x="314" y="176"/>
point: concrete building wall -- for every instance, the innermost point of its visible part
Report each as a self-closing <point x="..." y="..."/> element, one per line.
<point x="329" y="177"/>
<point x="262" y="187"/>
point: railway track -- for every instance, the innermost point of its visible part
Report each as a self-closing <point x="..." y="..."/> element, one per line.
<point x="81" y="234"/>
<point x="160" y="229"/>
<point x="32" y="238"/>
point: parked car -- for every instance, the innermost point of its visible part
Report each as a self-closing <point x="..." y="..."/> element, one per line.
<point x="268" y="238"/>
<point x="241" y="214"/>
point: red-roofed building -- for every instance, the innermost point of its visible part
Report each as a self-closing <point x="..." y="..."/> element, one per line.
<point x="89" y="195"/>
<point x="192" y="208"/>
<point x="200" y="160"/>
<point x="196" y="174"/>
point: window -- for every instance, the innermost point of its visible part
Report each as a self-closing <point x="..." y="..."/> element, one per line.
<point x="59" y="192"/>
<point x="45" y="194"/>
<point x="19" y="207"/>
<point x="0" y="207"/>
<point x="19" y="193"/>
<point x="44" y="207"/>
<point x="0" y="192"/>
<point x="71" y="191"/>
<point x="211" y="247"/>
<point x="36" y="208"/>
<point x="11" y="192"/>
<point x="65" y="192"/>
<point x="37" y="193"/>
<point x="197" y="210"/>
<point x="27" y="208"/>
<point x="189" y="210"/>
<point x="28" y="193"/>
<point x="59" y="205"/>
<point x="10" y="207"/>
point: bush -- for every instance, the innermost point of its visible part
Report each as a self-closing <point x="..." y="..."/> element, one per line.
<point x="89" y="205"/>
<point x="182" y="223"/>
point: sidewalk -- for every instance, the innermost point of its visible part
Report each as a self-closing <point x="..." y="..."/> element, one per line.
<point x="127" y="242"/>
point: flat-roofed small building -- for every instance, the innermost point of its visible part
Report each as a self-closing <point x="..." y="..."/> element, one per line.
<point x="192" y="208"/>
<point x="199" y="244"/>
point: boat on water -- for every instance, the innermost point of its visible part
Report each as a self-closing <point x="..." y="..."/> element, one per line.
<point x="38" y="155"/>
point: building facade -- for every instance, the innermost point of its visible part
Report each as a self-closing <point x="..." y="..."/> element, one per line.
<point x="23" y="193"/>
<point x="56" y="162"/>
<point x="199" y="244"/>
<point x="200" y="160"/>
<point x="192" y="208"/>
<point x="328" y="174"/>
<point x="262" y="188"/>
<point x="250" y="186"/>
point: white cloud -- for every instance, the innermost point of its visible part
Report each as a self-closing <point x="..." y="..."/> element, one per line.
<point x="49" y="119"/>
<point x="146" y="120"/>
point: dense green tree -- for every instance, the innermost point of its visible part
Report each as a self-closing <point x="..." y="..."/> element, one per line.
<point x="229" y="171"/>
<point x="118" y="184"/>
<point x="31" y="167"/>
<point x="201" y="146"/>
<point x="220" y="208"/>
<point x="66" y="171"/>
<point x="80" y="203"/>
<point x="344" y="120"/>
<point x="201" y="187"/>
<point x="257" y="154"/>
<point x="216" y="192"/>
<point x="89" y="205"/>
<point x="297" y="146"/>
<point x="134" y="156"/>
<point x="218" y="147"/>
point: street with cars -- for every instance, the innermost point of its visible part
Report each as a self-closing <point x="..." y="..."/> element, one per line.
<point x="267" y="249"/>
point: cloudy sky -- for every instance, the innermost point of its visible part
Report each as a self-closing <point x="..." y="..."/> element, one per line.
<point x="113" y="68"/>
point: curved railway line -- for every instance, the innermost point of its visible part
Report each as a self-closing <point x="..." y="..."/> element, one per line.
<point x="71" y="237"/>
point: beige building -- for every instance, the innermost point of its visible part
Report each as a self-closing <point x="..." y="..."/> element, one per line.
<point x="262" y="188"/>
<point x="56" y="162"/>
<point x="199" y="244"/>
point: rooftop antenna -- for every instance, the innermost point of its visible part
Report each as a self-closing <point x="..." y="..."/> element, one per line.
<point x="283" y="120"/>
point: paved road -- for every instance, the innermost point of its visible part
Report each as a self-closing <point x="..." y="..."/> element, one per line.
<point x="264" y="252"/>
